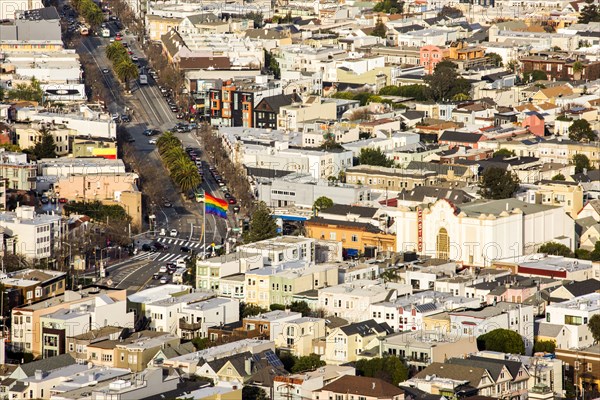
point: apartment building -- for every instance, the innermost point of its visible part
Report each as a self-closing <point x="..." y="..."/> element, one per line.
<point x="35" y="236"/>
<point x="352" y="301"/>
<point x="26" y="328"/>
<point x="297" y="336"/>
<point x="393" y="179"/>
<point x="345" y="343"/>
<point x="574" y="315"/>
<point x="28" y="136"/>
<point x="32" y="285"/>
<point x="234" y="103"/>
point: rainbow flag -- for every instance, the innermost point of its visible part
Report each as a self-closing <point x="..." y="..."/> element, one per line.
<point x="215" y="206"/>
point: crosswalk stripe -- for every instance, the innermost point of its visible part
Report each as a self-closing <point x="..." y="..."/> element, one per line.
<point x="194" y="245"/>
<point x="170" y="241"/>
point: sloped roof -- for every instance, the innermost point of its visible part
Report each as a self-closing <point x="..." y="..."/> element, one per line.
<point x="469" y="373"/>
<point x="512" y="366"/>
<point x="583" y="287"/>
<point x="363" y="386"/>
<point x="461" y="137"/>
<point x="274" y="103"/>
<point x="204" y="63"/>
<point x="365" y="328"/>
<point x="344" y="209"/>
<point x="47" y="364"/>
<point x="547" y="330"/>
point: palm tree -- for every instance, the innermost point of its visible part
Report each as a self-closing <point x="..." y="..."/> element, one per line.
<point x="173" y="156"/>
<point x="126" y="70"/>
<point x="187" y="177"/>
<point x="115" y="51"/>
<point x="166" y="141"/>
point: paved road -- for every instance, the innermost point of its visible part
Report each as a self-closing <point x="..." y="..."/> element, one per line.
<point x="150" y="110"/>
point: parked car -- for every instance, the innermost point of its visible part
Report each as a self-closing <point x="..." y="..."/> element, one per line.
<point x="125" y="118"/>
<point x="152" y="141"/>
<point x="146" y="247"/>
<point x="232" y="200"/>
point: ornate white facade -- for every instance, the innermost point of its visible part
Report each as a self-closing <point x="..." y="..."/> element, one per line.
<point x="479" y="232"/>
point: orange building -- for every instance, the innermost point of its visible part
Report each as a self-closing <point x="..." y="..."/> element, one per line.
<point x="355" y="236"/>
<point x="430" y="56"/>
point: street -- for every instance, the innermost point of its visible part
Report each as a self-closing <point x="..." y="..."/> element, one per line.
<point x="149" y="109"/>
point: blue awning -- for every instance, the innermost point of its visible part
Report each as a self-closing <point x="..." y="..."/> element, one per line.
<point x="290" y="217"/>
<point x="351" y="252"/>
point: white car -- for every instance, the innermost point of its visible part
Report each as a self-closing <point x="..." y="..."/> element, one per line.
<point x="152" y="141"/>
<point x="164" y="280"/>
<point x="173" y="233"/>
<point x="112" y="39"/>
<point x="163" y="270"/>
<point x="115" y="117"/>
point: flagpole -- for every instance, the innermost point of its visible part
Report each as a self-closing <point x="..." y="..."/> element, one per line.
<point x="204" y="227"/>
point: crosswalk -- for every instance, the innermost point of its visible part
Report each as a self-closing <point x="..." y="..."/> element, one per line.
<point x="169" y="257"/>
<point x="164" y="257"/>
<point x="180" y="242"/>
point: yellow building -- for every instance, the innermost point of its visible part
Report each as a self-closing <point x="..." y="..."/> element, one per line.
<point x="158" y="26"/>
<point x="117" y="188"/>
<point x="354" y="235"/>
<point x="569" y="195"/>
<point x="344" y="344"/>
<point x="28" y="136"/>
<point x="297" y="336"/>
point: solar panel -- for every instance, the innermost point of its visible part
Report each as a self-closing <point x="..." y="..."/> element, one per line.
<point x="273" y="360"/>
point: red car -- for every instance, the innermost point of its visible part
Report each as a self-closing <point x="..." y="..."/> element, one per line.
<point x="62" y="200"/>
<point x="232" y="200"/>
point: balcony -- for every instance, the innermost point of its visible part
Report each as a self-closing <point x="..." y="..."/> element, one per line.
<point x="189" y="326"/>
<point x="418" y="360"/>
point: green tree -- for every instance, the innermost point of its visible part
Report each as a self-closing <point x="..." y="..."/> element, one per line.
<point x="445" y="82"/>
<point x="272" y="65"/>
<point x="594" y="327"/>
<point x="535" y="75"/>
<point x="450" y="12"/>
<point x="503" y="152"/>
<point x="307" y="363"/>
<point x="577" y="69"/>
<point x="558" y="177"/>
<point x="27" y="92"/>
<point x="581" y="130"/>
<point x="379" y="30"/>
<point x="496" y="58"/>
<point x="257" y="17"/>
<point x="322" y="203"/>
<point x="186" y="176"/>
<point x="389" y="7"/>
<point x="301" y="307"/>
<point x="389" y="368"/>
<point x="589" y="13"/>
<point x="376" y="157"/>
<point x="262" y="225"/>
<point x="275" y="306"/>
<point x="253" y="393"/>
<point x="496" y="183"/>
<point x="417" y="92"/>
<point x="287" y="359"/>
<point x="201" y="343"/>
<point x="116" y="52"/>
<point x="45" y="146"/>
<point x="502" y="340"/>
<point x="555" y="249"/>
<point x="126" y="70"/>
<point x="581" y="163"/>
<point x="595" y="254"/>
<point x="546" y="346"/>
<point x="250" y="310"/>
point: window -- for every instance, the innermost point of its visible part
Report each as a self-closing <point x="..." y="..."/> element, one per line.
<point x="354" y="238"/>
<point x="572" y="320"/>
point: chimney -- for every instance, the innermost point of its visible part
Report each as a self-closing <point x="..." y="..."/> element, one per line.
<point x="38" y="374"/>
<point x="373" y="387"/>
<point x="248" y="366"/>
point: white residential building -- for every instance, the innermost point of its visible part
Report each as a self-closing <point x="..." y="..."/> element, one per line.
<point x="352" y="301"/>
<point x="163" y="315"/>
<point x="196" y="318"/>
<point x="575" y="315"/>
<point x="516" y="317"/>
<point x="280" y="250"/>
<point x="32" y="235"/>
<point x="86" y="122"/>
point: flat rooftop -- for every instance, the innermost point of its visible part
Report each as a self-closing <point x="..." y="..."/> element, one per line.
<point x="158" y="293"/>
<point x="588" y="302"/>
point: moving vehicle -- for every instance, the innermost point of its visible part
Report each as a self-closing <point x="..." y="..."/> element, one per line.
<point x="105" y="32"/>
<point x="143" y="79"/>
<point x="164" y="280"/>
<point x="152" y="141"/>
<point x="178" y="275"/>
<point x="199" y="195"/>
<point x="84" y="31"/>
<point x="173" y="233"/>
<point x="184" y="249"/>
<point x="163" y="269"/>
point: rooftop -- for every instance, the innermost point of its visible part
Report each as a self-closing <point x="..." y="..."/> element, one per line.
<point x="158" y="293"/>
<point x="588" y="302"/>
